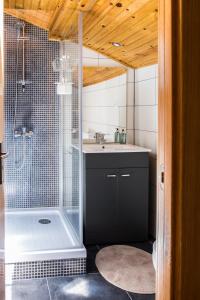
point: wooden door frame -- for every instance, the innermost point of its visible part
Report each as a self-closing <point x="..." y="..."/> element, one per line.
<point x="178" y="260"/>
<point x="164" y="209"/>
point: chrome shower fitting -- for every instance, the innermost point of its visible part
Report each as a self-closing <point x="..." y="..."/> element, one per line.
<point x="23" y="133"/>
<point x="20" y="134"/>
<point x="21" y="31"/>
<point x="21" y="37"/>
<point x="19" y="26"/>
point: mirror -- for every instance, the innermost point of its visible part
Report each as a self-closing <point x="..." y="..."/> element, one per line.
<point x="104" y="101"/>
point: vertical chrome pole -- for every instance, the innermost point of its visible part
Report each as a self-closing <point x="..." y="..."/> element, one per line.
<point x="23" y="59"/>
<point x="80" y="85"/>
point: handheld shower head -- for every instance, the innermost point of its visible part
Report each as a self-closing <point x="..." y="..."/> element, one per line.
<point x="20" y="26"/>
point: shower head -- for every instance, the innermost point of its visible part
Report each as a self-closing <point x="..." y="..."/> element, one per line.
<point x="20" y="24"/>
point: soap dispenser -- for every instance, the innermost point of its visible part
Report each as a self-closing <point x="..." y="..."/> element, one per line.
<point x="123" y="137"/>
<point x="117" y="136"/>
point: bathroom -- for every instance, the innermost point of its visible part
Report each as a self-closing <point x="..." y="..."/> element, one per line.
<point x="57" y="216"/>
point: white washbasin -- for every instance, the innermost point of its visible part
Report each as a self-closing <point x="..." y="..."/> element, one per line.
<point x="112" y="148"/>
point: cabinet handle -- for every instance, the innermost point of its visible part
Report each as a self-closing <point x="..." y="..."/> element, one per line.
<point x="111" y="175"/>
<point x="125" y="175"/>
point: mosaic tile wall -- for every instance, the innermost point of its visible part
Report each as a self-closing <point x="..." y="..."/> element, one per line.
<point x="36" y="183"/>
<point x="42" y="269"/>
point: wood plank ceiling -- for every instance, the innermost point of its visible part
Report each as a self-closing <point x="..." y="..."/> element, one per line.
<point x="132" y="24"/>
<point x="92" y="75"/>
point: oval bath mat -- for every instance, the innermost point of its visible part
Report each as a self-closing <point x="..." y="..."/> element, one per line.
<point x="128" y="268"/>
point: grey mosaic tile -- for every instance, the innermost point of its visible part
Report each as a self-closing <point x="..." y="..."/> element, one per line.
<point x="37" y="183"/>
<point x="43" y="269"/>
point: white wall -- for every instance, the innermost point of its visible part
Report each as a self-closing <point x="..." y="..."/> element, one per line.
<point x="130" y="105"/>
<point x="104" y="107"/>
<point x="93" y="58"/>
<point x="146" y="95"/>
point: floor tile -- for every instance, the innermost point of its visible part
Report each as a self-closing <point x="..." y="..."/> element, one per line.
<point x="91" y="254"/>
<point x="33" y="289"/>
<point x="146" y="246"/>
<point x="142" y="296"/>
<point x="88" y="287"/>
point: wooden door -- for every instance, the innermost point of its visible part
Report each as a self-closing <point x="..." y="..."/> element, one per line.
<point x="2" y="261"/>
<point x="164" y="237"/>
<point x="178" y="265"/>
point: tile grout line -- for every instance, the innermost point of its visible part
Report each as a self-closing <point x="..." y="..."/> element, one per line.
<point x="48" y="289"/>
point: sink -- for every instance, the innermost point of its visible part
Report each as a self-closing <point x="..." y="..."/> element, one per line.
<point x="112" y="148"/>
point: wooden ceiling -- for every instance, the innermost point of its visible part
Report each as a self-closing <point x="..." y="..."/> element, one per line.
<point x="92" y="75"/>
<point x="132" y="23"/>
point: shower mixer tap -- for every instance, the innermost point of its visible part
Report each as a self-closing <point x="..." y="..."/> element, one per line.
<point x="23" y="133"/>
<point x="24" y="83"/>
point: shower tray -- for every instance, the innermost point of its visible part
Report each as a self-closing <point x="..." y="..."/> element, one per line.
<point x="33" y="234"/>
<point x="41" y="243"/>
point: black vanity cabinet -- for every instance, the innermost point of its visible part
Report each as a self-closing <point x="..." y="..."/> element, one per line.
<point x="116" y="197"/>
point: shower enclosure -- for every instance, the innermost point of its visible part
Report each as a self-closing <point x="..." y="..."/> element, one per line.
<point x="43" y="172"/>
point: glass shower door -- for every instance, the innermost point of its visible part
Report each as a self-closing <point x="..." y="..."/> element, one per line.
<point x="70" y="91"/>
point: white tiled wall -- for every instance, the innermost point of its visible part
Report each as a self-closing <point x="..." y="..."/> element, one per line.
<point x="146" y="84"/>
<point x="130" y="109"/>
<point x="104" y="107"/>
<point x="93" y="58"/>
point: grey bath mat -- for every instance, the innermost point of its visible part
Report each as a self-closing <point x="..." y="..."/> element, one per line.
<point x="128" y="268"/>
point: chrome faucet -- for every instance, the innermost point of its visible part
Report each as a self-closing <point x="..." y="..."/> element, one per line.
<point x="100" y="138"/>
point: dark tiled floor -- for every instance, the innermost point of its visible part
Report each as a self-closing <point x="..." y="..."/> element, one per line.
<point x="89" y="287"/>
<point x="91" y="254"/>
<point x="146" y="246"/>
<point x="28" y="290"/>
<point x="141" y="297"/>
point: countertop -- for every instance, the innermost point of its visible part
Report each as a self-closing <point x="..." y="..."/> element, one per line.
<point x="112" y="148"/>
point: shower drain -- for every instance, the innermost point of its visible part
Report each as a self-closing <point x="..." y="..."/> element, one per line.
<point x="44" y="221"/>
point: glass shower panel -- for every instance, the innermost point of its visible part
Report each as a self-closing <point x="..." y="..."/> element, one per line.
<point x="43" y="171"/>
<point x="69" y="89"/>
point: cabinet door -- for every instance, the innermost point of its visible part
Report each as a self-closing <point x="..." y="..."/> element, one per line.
<point x="100" y="206"/>
<point x="133" y="204"/>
